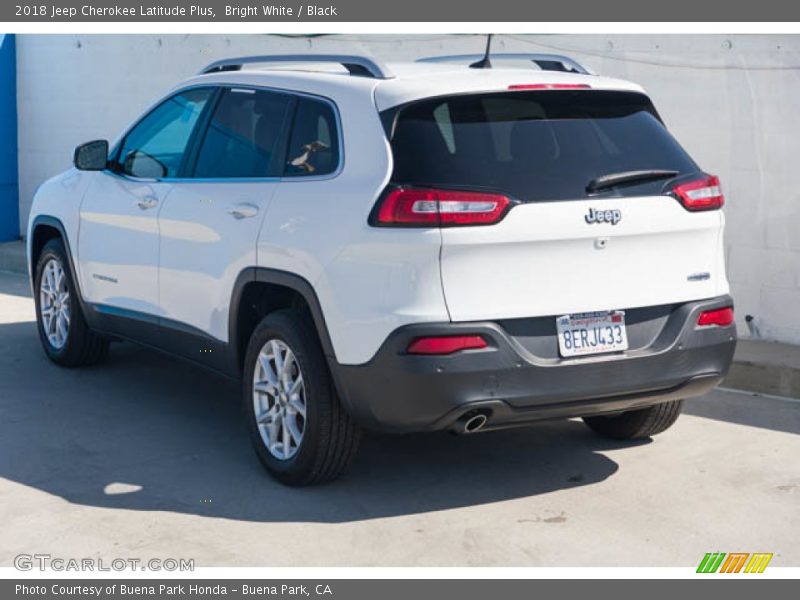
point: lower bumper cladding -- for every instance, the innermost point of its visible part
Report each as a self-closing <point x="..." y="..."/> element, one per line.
<point x="508" y="384"/>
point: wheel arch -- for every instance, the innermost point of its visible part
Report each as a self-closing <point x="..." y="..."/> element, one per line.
<point x="261" y="290"/>
<point x="43" y="229"/>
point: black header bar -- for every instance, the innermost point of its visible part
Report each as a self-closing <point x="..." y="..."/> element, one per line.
<point x="440" y="11"/>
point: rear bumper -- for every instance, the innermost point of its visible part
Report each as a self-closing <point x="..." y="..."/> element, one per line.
<point x="511" y="383"/>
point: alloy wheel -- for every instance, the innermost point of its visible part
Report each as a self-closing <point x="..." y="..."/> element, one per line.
<point x="54" y="303"/>
<point x="279" y="399"/>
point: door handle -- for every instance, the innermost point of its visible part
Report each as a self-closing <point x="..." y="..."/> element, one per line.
<point x="147" y="202"/>
<point x="243" y="211"/>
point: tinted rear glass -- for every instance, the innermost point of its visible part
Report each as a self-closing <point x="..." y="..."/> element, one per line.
<point x="534" y="146"/>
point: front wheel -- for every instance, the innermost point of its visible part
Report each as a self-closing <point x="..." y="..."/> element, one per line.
<point x="637" y="424"/>
<point x="65" y="336"/>
<point x="301" y="433"/>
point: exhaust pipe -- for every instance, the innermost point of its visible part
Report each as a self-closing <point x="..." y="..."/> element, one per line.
<point x="472" y="422"/>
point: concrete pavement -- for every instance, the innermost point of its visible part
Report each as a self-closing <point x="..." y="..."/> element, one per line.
<point x="146" y="456"/>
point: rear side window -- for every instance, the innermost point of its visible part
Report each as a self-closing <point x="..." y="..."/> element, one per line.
<point x="314" y="142"/>
<point x="244" y="134"/>
<point x="534" y="146"/>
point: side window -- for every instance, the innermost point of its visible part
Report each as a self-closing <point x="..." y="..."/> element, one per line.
<point x="314" y="143"/>
<point x="155" y="147"/>
<point x="244" y="134"/>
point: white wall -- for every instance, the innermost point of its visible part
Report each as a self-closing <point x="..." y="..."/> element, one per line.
<point x="731" y="100"/>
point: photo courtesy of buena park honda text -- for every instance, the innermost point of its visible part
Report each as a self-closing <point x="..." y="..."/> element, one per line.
<point x="359" y="300"/>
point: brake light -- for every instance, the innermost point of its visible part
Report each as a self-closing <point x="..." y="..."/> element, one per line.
<point x="550" y="86"/>
<point x="446" y="344"/>
<point x="720" y="317"/>
<point x="427" y="207"/>
<point x="700" y="194"/>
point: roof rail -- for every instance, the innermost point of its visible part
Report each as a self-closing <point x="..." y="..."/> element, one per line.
<point x="546" y="62"/>
<point x="357" y="65"/>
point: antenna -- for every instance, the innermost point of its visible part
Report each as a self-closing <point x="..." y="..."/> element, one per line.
<point x="484" y="63"/>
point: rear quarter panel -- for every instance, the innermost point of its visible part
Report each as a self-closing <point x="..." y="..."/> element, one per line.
<point x="369" y="280"/>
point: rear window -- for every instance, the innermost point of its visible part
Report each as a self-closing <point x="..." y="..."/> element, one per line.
<point x="534" y="146"/>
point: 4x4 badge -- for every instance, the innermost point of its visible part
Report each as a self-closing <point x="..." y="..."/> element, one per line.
<point x="603" y="216"/>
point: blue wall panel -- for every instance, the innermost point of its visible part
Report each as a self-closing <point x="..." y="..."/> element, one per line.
<point x="9" y="191"/>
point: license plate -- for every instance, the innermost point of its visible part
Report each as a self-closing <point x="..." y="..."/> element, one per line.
<point x="592" y="333"/>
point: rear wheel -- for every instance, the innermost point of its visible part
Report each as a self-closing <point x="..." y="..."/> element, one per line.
<point x="301" y="433"/>
<point x="65" y="336"/>
<point x="637" y="424"/>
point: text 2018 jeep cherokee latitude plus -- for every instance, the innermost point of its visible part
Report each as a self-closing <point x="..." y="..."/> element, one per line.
<point x="422" y="248"/>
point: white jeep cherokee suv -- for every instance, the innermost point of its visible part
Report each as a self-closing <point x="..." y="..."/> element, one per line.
<point x="412" y="247"/>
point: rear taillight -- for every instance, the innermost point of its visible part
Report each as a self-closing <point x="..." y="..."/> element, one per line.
<point x="446" y="344"/>
<point x="719" y="317"/>
<point x="700" y="194"/>
<point x="549" y="86"/>
<point x="428" y="207"/>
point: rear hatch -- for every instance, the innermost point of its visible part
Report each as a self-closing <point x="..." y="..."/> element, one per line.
<point x="605" y="210"/>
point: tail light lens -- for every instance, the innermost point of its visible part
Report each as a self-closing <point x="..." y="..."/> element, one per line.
<point x="700" y="194"/>
<point x="720" y="317"/>
<point x="428" y="207"/>
<point x="446" y="344"/>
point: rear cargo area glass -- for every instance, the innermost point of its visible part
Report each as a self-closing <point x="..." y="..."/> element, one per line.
<point x="534" y="146"/>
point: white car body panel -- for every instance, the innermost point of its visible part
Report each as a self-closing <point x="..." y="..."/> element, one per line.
<point x="204" y="247"/>
<point x="378" y="284"/>
<point x="544" y="259"/>
<point x="118" y="242"/>
<point x="59" y="197"/>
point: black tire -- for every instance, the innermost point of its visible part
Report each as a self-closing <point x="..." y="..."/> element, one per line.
<point x="82" y="346"/>
<point x="637" y="424"/>
<point x="330" y="437"/>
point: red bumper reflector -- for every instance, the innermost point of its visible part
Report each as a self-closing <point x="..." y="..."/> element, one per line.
<point x="721" y="317"/>
<point x="446" y="344"/>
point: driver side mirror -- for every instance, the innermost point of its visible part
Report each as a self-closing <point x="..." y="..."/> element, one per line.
<point x="91" y="156"/>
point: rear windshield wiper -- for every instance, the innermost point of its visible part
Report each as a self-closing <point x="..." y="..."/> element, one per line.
<point x="613" y="179"/>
